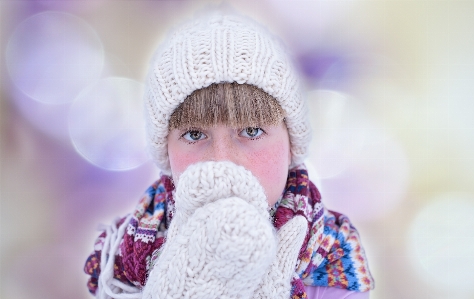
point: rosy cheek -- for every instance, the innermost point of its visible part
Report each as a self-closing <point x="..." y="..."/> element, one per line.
<point x="180" y="155"/>
<point x="270" y="166"/>
<point x="180" y="161"/>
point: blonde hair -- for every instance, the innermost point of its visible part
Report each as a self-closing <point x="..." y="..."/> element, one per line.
<point x="233" y="104"/>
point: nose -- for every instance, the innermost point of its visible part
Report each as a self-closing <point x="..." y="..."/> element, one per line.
<point x="223" y="148"/>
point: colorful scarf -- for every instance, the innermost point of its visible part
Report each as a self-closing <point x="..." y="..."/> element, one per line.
<point x="331" y="256"/>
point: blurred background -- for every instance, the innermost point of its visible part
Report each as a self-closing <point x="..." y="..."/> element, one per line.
<point x="390" y="86"/>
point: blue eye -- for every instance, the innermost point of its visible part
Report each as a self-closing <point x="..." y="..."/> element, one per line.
<point x="193" y="135"/>
<point x="251" y="132"/>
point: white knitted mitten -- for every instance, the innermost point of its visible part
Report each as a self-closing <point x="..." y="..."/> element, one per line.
<point x="220" y="242"/>
<point x="276" y="282"/>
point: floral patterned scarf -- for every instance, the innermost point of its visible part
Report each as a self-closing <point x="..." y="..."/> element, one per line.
<point x="331" y="256"/>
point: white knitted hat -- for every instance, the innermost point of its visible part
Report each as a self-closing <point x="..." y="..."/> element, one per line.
<point x="220" y="48"/>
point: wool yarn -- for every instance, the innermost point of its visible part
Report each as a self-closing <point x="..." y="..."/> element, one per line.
<point x="215" y="48"/>
<point x="205" y="182"/>
<point x="221" y="240"/>
<point x="276" y="283"/>
<point x="108" y="286"/>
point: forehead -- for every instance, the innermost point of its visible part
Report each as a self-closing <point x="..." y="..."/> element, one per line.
<point x="232" y="104"/>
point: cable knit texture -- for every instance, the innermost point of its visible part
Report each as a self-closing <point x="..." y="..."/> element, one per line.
<point x="221" y="48"/>
<point x="277" y="280"/>
<point x="221" y="239"/>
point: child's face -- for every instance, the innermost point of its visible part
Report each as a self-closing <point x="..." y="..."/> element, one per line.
<point x="265" y="151"/>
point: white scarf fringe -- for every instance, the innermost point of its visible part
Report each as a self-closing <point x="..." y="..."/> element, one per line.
<point x="108" y="286"/>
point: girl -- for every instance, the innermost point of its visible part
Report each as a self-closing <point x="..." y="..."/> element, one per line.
<point x="234" y="214"/>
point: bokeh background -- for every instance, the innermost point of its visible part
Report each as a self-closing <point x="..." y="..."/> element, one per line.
<point x="390" y="86"/>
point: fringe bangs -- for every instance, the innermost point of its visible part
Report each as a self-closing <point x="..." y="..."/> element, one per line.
<point x="232" y="104"/>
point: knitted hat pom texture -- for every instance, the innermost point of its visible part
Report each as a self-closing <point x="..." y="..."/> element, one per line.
<point x="214" y="48"/>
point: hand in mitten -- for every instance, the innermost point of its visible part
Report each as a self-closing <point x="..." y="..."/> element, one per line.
<point x="220" y="242"/>
<point x="276" y="283"/>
